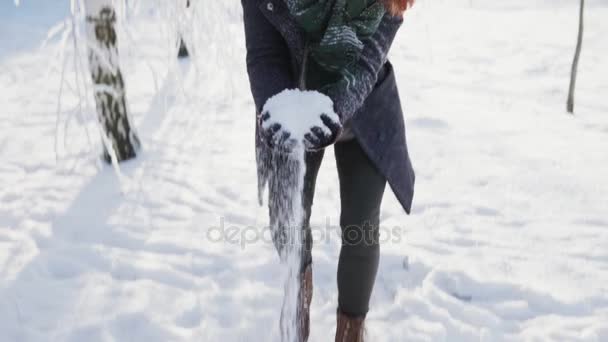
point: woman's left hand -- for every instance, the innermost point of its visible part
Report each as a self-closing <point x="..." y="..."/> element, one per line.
<point x="320" y="137"/>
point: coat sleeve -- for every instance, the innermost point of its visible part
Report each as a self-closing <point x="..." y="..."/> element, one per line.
<point x="268" y="59"/>
<point x="361" y="77"/>
<point x="269" y="69"/>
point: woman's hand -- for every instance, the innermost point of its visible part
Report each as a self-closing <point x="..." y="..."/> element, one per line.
<point x="274" y="135"/>
<point x="295" y="118"/>
<point x="320" y="137"/>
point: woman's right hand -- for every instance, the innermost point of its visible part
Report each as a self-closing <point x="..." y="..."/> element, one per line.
<point x="274" y="135"/>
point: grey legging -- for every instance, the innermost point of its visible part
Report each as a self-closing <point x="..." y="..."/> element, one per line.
<point x="361" y="190"/>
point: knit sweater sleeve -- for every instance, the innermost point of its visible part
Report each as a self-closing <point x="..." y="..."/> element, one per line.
<point x="360" y="78"/>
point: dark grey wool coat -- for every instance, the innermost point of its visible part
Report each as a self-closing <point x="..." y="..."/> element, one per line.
<point x="275" y="50"/>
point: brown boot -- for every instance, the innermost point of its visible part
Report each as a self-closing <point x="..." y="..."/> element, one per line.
<point x="349" y="329"/>
<point x="304" y="301"/>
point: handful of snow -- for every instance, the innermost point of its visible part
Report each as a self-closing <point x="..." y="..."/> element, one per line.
<point x="298" y="111"/>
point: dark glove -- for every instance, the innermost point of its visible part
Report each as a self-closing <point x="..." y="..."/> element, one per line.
<point x="320" y="137"/>
<point x="295" y="118"/>
<point x="275" y="136"/>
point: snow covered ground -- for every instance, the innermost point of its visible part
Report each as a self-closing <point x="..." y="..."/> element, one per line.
<point x="508" y="240"/>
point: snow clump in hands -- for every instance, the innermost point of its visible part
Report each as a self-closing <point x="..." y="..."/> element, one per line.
<point x="295" y="118"/>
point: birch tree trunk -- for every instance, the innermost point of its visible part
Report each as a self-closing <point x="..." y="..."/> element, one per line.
<point x="579" y="44"/>
<point x="109" y="88"/>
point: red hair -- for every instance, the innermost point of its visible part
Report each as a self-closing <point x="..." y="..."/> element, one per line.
<point x="397" y="7"/>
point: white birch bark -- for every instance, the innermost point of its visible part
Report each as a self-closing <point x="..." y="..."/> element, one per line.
<point x="109" y="89"/>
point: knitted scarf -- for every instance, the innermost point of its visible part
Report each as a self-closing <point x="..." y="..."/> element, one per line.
<point x="336" y="28"/>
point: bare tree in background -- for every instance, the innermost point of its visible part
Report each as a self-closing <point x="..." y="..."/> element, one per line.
<point x="183" y="50"/>
<point x="109" y="88"/>
<point x="577" y="54"/>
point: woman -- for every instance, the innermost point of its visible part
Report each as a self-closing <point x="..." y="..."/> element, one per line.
<point x="338" y="49"/>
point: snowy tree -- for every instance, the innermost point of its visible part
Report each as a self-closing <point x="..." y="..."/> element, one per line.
<point x="109" y="88"/>
<point x="577" y="54"/>
<point x="183" y="50"/>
